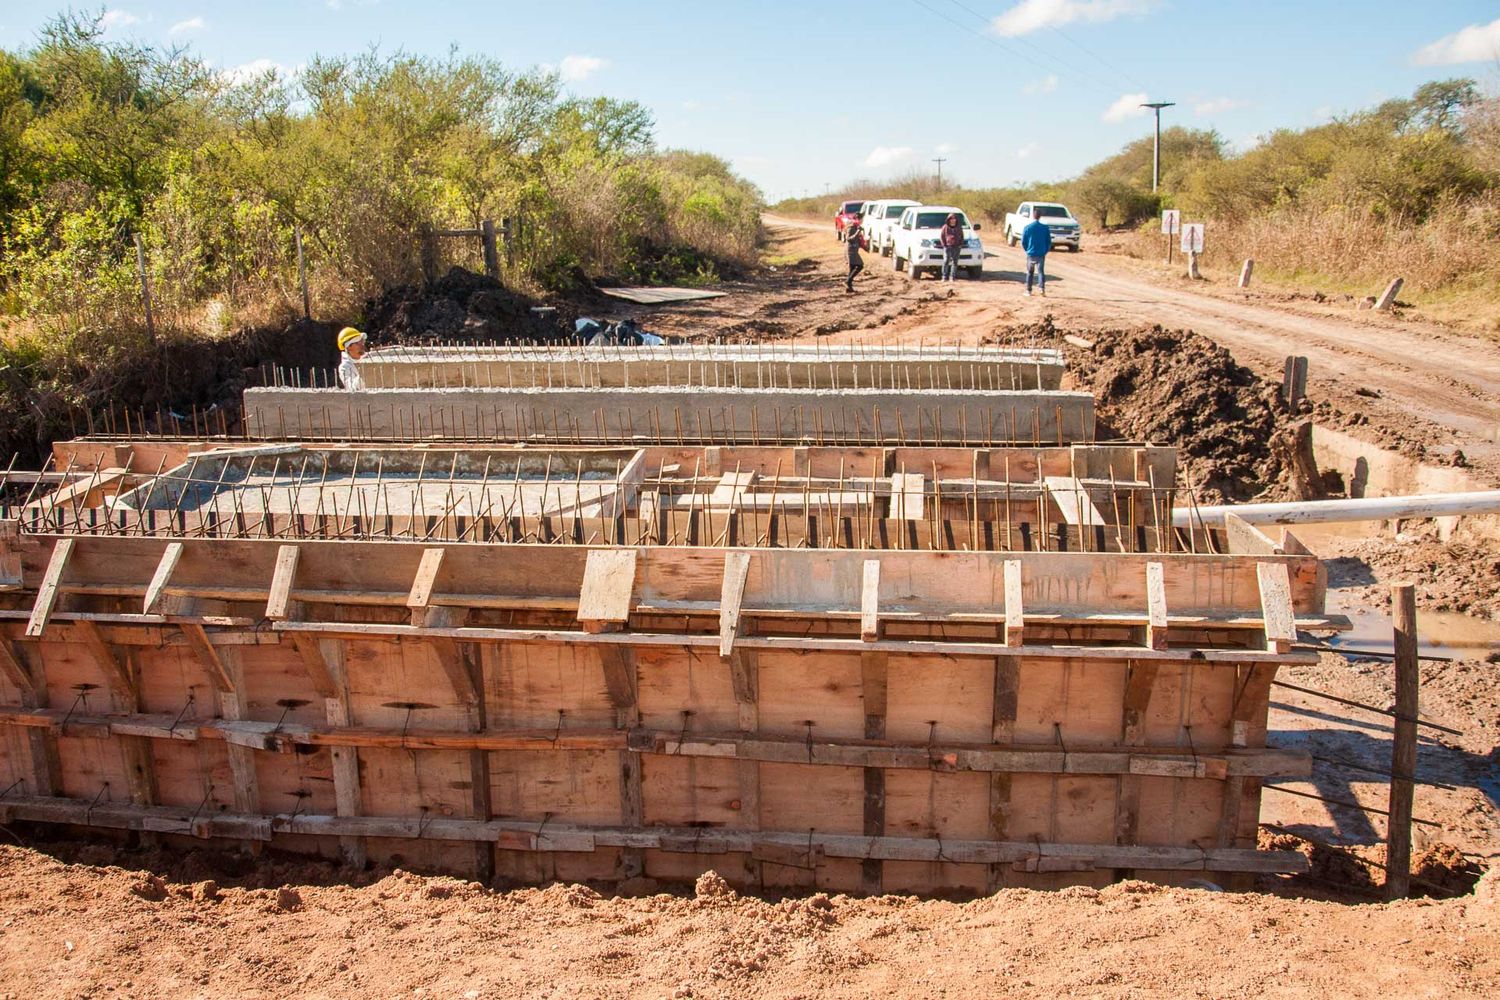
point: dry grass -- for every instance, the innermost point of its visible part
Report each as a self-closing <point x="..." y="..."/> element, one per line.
<point x="1450" y="263"/>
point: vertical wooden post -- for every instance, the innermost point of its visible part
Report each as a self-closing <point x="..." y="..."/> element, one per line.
<point x="1246" y="271"/>
<point x="1404" y="747"/>
<point x="140" y="270"/>
<point x="508" y="233"/>
<point x="491" y="255"/>
<point x="302" y="273"/>
<point x="429" y="254"/>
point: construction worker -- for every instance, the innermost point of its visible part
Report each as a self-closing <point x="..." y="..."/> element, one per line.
<point x="352" y="346"/>
<point x="852" y="236"/>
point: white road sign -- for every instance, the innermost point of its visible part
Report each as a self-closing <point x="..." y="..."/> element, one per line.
<point x="1192" y="237"/>
<point x="1171" y="220"/>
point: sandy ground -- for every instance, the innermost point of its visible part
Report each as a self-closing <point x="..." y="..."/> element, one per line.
<point x="186" y="925"/>
<point x="77" y="931"/>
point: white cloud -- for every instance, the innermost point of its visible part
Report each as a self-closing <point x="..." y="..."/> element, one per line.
<point x="1046" y="85"/>
<point x="183" y="27"/>
<point x="1026" y="151"/>
<point x="945" y="148"/>
<point x="577" y="68"/>
<point x="116" y="18"/>
<point x="1034" y="15"/>
<point x="1476" y="43"/>
<point x="1128" y="106"/>
<point x="885" y="156"/>
<point x="1218" y="105"/>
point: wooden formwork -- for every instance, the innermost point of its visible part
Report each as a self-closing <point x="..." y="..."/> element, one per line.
<point x="853" y="720"/>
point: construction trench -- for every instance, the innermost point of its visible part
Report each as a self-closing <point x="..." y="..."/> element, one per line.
<point x="867" y="621"/>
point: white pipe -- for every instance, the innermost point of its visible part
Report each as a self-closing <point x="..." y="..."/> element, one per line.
<point x="1361" y="509"/>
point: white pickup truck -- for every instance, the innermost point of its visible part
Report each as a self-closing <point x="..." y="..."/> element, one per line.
<point x="880" y="218"/>
<point x="914" y="241"/>
<point x="1066" y="232"/>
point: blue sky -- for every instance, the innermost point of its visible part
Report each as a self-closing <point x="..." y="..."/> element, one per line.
<point x="798" y="95"/>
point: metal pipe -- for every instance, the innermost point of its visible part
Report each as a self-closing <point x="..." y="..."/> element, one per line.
<point x="1360" y="509"/>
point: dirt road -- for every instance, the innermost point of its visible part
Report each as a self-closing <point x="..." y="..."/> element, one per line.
<point x="1404" y="381"/>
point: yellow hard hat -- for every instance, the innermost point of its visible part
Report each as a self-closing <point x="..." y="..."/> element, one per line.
<point x="347" y="336"/>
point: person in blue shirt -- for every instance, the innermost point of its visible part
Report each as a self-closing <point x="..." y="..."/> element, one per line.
<point x="1036" y="240"/>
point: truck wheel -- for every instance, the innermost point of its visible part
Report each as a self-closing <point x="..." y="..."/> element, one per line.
<point x="1010" y="239"/>
<point x="895" y="263"/>
<point x="975" y="272"/>
<point x="914" y="272"/>
<point x="885" y="250"/>
<point x="1076" y="249"/>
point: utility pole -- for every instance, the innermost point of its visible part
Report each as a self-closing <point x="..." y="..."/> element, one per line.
<point x="1156" y="150"/>
<point x="940" y="160"/>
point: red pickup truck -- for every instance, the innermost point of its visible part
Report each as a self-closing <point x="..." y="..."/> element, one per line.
<point x="848" y="212"/>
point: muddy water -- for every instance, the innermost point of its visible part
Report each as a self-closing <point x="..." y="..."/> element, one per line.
<point x="1445" y="634"/>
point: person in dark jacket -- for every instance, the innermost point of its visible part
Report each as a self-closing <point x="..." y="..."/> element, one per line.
<point x="1036" y="240"/>
<point x="952" y="238"/>
<point x="853" y="236"/>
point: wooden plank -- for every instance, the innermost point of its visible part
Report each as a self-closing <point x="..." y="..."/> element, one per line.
<point x="1276" y="606"/>
<point x="1140" y="681"/>
<point x="1247" y="539"/>
<point x="15" y="672"/>
<point x="1156" y="606"/>
<point x="731" y="596"/>
<point x="1006" y="702"/>
<point x="620" y="678"/>
<point x="318" y="672"/>
<point x="420" y="595"/>
<point x="348" y="800"/>
<point x="608" y="583"/>
<point x="170" y="556"/>
<point x="1073" y="501"/>
<point x="197" y="638"/>
<point x="46" y="594"/>
<point x="454" y="661"/>
<point x="730" y="487"/>
<point x="869" y="602"/>
<point x="908" y="496"/>
<point x="782" y="848"/>
<point x="278" y="604"/>
<point x="117" y="677"/>
<point x="1015" y="614"/>
<point x="874" y="690"/>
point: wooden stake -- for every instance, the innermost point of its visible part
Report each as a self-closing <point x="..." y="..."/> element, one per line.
<point x="1404" y="745"/>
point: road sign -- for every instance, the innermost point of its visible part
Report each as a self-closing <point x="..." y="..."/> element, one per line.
<point x="1171" y="220"/>
<point x="1192" y="237"/>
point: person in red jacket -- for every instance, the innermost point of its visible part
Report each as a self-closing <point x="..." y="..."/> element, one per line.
<point x="952" y="238"/>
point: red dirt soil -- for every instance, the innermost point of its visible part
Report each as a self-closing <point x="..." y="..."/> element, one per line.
<point x="80" y="931"/>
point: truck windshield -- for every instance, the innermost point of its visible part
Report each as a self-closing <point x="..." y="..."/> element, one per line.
<point x="894" y="211"/>
<point x="852" y="207"/>
<point x="936" y="220"/>
<point x="1054" y="211"/>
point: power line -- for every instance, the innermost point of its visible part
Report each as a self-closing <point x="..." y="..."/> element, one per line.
<point x="1106" y="86"/>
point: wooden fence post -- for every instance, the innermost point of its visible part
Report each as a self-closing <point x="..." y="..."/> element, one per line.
<point x="1404" y="746"/>
<point x="429" y="254"/>
<point x="491" y="257"/>
<point x="508" y="233"/>
<point x="140" y="268"/>
<point x="302" y="273"/>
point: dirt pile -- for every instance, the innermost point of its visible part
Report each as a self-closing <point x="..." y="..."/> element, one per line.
<point x="69" y="930"/>
<point x="1462" y="574"/>
<point x="1175" y="387"/>
<point x="1439" y="870"/>
<point x="462" y="305"/>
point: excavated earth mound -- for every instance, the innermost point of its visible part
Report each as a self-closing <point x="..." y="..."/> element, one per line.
<point x="1174" y="387"/>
